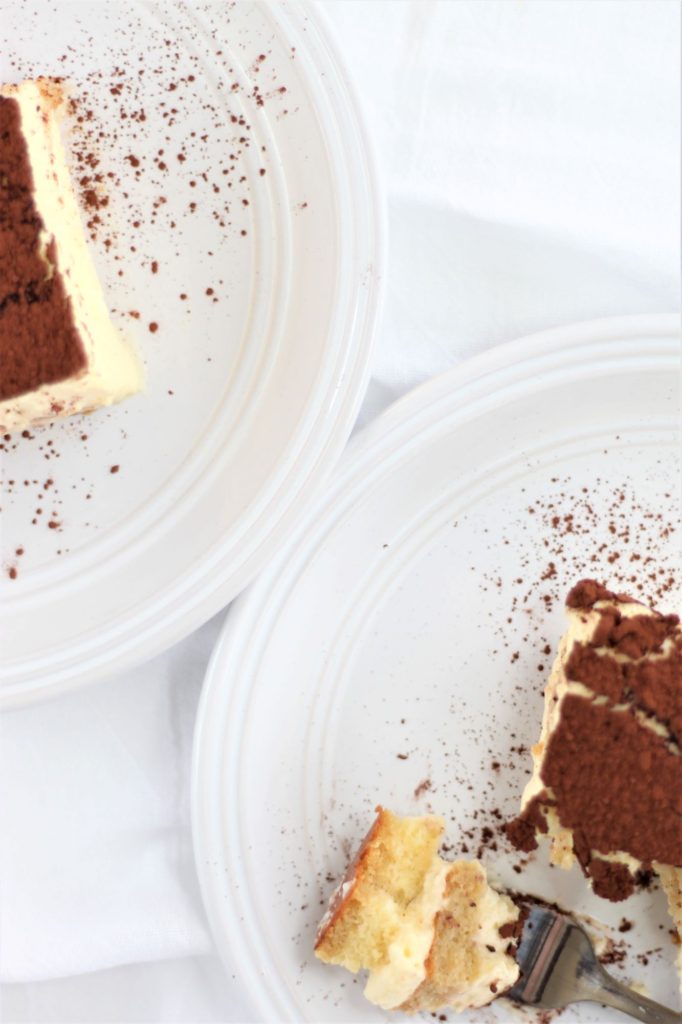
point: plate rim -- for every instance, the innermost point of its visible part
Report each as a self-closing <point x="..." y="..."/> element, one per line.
<point x="205" y="785"/>
<point x="21" y="686"/>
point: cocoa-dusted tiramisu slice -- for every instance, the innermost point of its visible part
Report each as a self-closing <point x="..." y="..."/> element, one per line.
<point x="59" y="352"/>
<point x="606" y="787"/>
<point x="431" y="933"/>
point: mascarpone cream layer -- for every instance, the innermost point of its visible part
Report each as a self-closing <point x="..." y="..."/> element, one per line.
<point x="393" y="983"/>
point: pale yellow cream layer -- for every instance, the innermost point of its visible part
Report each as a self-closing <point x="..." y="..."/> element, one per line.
<point x="392" y="985"/>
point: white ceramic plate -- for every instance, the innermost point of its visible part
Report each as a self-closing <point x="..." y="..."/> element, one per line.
<point x="252" y="390"/>
<point x="395" y="651"/>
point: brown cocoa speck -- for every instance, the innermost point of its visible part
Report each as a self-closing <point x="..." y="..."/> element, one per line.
<point x="114" y="469"/>
<point x="153" y="327"/>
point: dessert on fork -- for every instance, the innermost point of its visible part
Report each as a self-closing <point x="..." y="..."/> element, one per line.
<point x="430" y="932"/>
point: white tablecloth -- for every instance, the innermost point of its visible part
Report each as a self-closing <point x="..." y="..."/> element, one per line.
<point x="529" y="153"/>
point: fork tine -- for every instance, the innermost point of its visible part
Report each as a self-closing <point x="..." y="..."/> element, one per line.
<point x="558" y="966"/>
<point x="542" y="939"/>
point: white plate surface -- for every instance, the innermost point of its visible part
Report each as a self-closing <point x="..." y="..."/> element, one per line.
<point x="233" y="132"/>
<point x="395" y="652"/>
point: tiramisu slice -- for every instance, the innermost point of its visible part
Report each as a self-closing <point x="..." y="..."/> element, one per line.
<point x="607" y="771"/>
<point x="432" y="934"/>
<point x="59" y="353"/>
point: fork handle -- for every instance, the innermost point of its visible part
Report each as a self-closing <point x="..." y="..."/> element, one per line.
<point x="605" y="989"/>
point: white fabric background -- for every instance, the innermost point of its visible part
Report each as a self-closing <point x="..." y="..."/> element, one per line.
<point x="529" y="151"/>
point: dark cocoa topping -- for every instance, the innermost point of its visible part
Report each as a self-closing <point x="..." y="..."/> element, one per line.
<point x="586" y="593"/>
<point x="616" y="784"/>
<point x="39" y="343"/>
<point x="652" y="685"/>
<point x="635" y="635"/>
<point x="509" y="930"/>
<point x="610" y="881"/>
<point x="600" y="672"/>
<point x="522" y="831"/>
<point x="657" y="688"/>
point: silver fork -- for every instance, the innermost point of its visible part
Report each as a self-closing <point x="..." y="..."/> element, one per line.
<point x="559" y="966"/>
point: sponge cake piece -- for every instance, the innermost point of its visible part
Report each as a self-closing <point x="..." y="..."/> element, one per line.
<point x="431" y="933"/>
